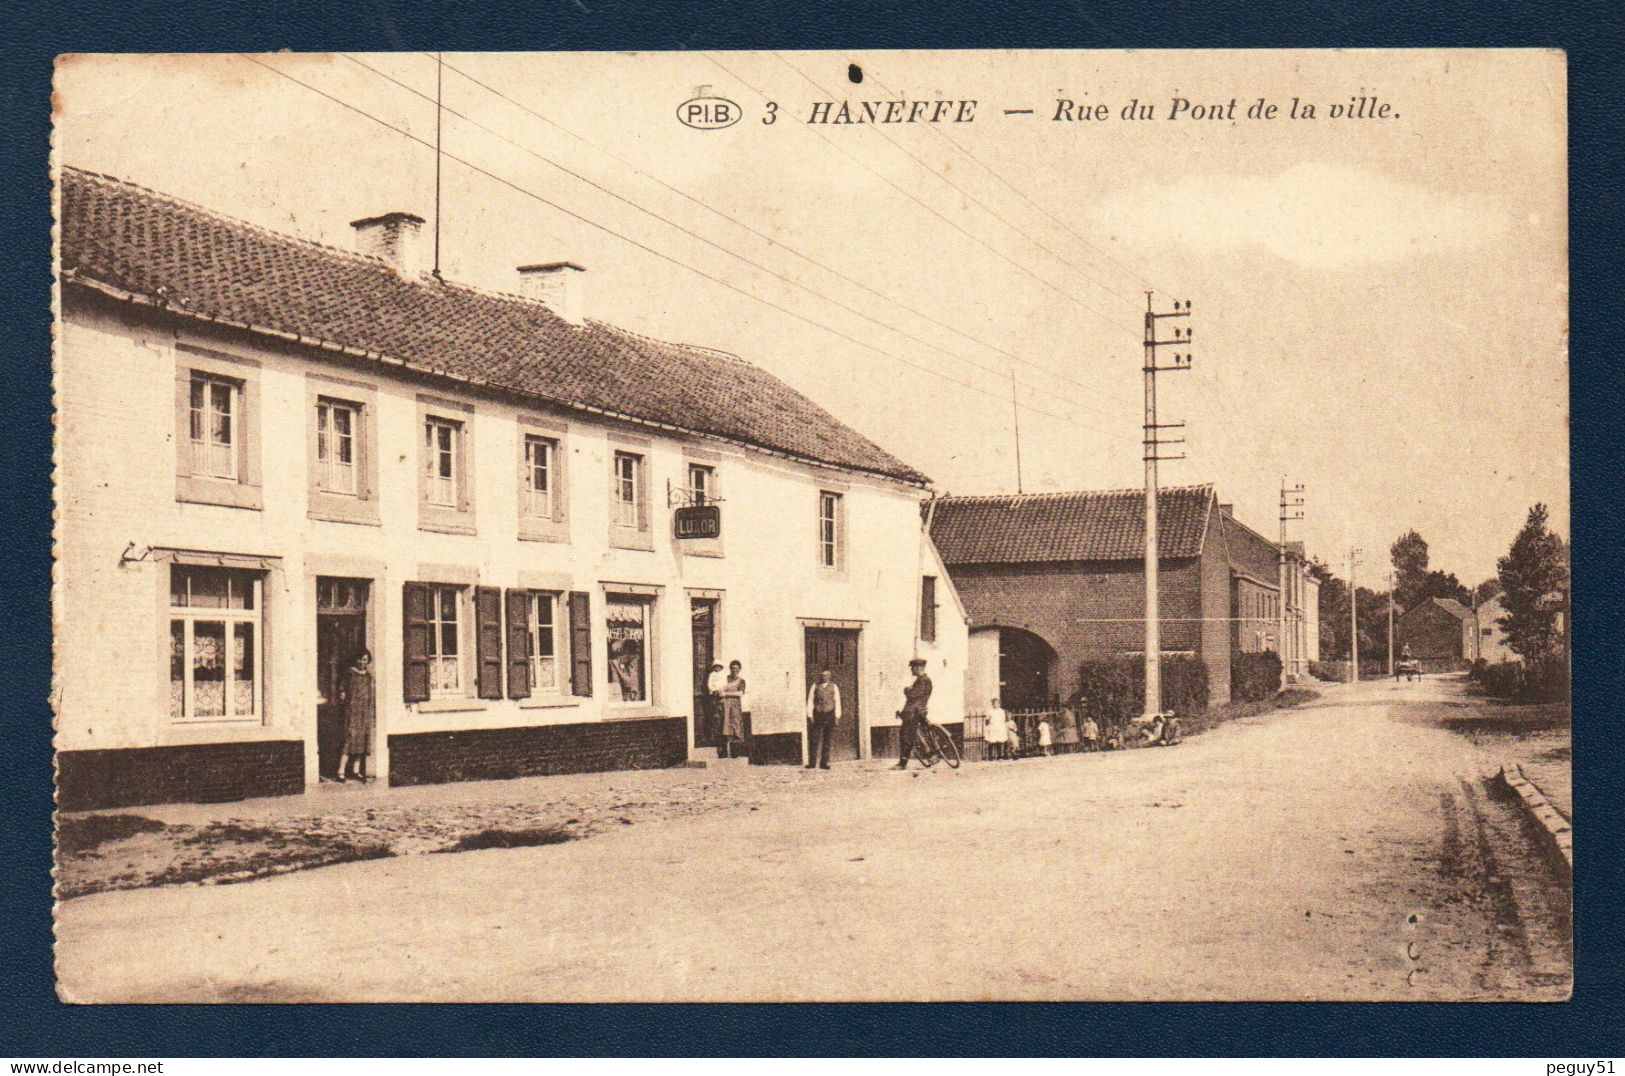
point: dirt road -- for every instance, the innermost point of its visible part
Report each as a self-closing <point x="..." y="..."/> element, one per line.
<point x="1334" y="851"/>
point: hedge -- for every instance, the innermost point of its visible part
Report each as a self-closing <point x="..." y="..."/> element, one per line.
<point x="1254" y="677"/>
<point x="1113" y="692"/>
<point x="1541" y="681"/>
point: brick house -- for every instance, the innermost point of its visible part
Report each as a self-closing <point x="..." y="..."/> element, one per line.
<point x="1441" y="633"/>
<point x="1054" y="579"/>
<point x="273" y="453"/>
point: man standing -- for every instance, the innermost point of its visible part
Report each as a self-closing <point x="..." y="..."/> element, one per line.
<point x="823" y="710"/>
<point x="916" y="700"/>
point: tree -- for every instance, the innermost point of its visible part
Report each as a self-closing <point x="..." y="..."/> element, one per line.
<point x="1437" y="584"/>
<point x="1334" y="621"/>
<point x="1409" y="556"/>
<point x="1486" y="590"/>
<point x="1535" y="566"/>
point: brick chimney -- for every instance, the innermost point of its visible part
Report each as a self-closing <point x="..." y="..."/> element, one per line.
<point x="395" y="238"/>
<point x="558" y="284"/>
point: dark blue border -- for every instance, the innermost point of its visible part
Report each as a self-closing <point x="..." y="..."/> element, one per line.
<point x="36" y="1025"/>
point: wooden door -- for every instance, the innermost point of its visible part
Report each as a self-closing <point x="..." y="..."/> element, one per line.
<point x="341" y="632"/>
<point x="836" y="649"/>
<point x="703" y="621"/>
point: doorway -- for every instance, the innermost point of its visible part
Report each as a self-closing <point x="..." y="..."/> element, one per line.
<point x="1025" y="662"/>
<point x="836" y="649"/>
<point x="341" y="631"/>
<point x="702" y="614"/>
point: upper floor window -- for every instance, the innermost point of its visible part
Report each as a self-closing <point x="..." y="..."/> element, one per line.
<point x="702" y="484"/>
<point x="441" y="460"/>
<point x="215" y="662"/>
<point x="338" y="430"/>
<point x="216" y="429"/>
<point x="215" y="409"/>
<point x="541" y="455"/>
<point x="830" y="524"/>
<point x="627" y="492"/>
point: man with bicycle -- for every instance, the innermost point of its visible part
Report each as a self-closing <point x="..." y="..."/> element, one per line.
<point x="916" y="700"/>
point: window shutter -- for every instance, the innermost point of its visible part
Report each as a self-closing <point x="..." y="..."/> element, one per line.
<point x="519" y="644"/>
<point x="928" y="608"/>
<point x="488" y="641"/>
<point x="415" y="627"/>
<point x="580" y="643"/>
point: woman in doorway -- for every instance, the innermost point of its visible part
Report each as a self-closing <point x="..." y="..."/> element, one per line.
<point x="358" y="698"/>
<point x="733" y="711"/>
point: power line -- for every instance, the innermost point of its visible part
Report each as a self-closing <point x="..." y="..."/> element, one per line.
<point x="1063" y="293"/>
<point x="771" y="240"/>
<point x="695" y="235"/>
<point x="651" y="250"/>
<point x="1018" y="192"/>
<point x="961" y="190"/>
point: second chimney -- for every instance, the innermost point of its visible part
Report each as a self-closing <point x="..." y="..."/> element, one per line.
<point x="396" y="238"/>
<point x="559" y="285"/>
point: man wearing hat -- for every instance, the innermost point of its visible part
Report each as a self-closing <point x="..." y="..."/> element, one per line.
<point x="916" y="698"/>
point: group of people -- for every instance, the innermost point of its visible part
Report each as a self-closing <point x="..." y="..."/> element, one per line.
<point x="824" y="710"/>
<point x="1053" y="732"/>
<point x="726" y="693"/>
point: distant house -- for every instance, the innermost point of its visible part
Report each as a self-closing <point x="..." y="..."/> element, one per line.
<point x="1441" y="633"/>
<point x="1490" y="639"/>
<point x="1054" y="579"/>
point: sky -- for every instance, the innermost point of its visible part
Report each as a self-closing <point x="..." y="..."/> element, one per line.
<point x="1379" y="305"/>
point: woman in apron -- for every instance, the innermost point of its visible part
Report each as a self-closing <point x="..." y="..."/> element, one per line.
<point x="733" y="710"/>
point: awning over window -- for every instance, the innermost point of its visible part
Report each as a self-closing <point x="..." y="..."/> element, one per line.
<point x="205" y="559"/>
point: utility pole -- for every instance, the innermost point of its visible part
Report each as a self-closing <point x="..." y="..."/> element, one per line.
<point x="1354" y="618"/>
<point x="1015" y="417"/>
<point x="1390" y="622"/>
<point x="1153" y="441"/>
<point x="1291" y="509"/>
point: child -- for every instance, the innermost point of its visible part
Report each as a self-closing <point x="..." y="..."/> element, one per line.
<point x="998" y="731"/>
<point x="1045" y="740"/>
<point x="1091" y="734"/>
<point x="1012" y="747"/>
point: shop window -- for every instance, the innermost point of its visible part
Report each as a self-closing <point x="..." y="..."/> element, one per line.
<point x="627" y="632"/>
<point x="215" y="643"/>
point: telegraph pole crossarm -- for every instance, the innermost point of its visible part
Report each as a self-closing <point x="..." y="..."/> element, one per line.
<point x="1153" y="444"/>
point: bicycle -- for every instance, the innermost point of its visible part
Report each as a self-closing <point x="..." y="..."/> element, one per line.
<point x="933" y="742"/>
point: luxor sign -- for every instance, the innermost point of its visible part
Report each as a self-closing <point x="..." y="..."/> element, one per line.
<point x="698" y="521"/>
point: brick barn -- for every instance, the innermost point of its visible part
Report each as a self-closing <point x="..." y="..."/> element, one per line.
<point x="1050" y="580"/>
<point x="1441" y="633"/>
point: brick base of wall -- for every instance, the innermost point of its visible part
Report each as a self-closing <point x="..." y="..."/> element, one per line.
<point x="883" y="739"/>
<point x="428" y="758"/>
<point x="776" y="749"/>
<point x="195" y="773"/>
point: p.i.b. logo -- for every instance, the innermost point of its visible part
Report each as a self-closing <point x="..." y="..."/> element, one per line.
<point x="707" y="112"/>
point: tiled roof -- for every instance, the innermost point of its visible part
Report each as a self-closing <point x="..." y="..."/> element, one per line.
<point x="1453" y="607"/>
<point x="137" y="242"/>
<point x="1083" y="526"/>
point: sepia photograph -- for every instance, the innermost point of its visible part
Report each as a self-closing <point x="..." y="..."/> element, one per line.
<point x="812" y="526"/>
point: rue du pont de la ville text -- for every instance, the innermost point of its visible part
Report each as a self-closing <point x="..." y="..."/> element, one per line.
<point x="1070" y="110"/>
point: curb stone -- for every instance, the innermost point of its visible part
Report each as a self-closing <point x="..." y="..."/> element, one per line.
<point x="1556" y="835"/>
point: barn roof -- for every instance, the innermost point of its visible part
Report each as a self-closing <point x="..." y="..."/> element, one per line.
<point x="1086" y="525"/>
<point x="136" y="243"/>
